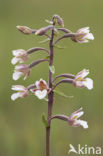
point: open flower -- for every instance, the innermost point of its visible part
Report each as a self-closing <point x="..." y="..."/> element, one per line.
<point x="83" y="35"/>
<point x="21" y="70"/>
<point x="74" y="121"/>
<point x="80" y="81"/>
<point x="41" y="90"/>
<point x="20" y="56"/>
<point x="21" y="92"/>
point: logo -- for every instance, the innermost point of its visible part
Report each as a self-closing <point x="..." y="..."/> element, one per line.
<point x="85" y="150"/>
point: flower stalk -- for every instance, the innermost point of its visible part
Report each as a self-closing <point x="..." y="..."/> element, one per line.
<point x="50" y="95"/>
<point x="40" y="88"/>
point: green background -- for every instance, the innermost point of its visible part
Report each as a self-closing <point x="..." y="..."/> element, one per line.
<point x="22" y="132"/>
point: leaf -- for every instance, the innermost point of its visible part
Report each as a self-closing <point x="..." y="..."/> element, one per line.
<point x="44" y="120"/>
<point x="59" y="47"/>
<point x="57" y="91"/>
<point x="50" y="22"/>
<point x="46" y="99"/>
<point x="52" y="69"/>
<point x="44" y="41"/>
<point x="47" y="57"/>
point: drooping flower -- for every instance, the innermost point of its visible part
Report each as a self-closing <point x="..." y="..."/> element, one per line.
<point x="20" y="56"/>
<point x="41" y="90"/>
<point x="21" y="92"/>
<point x="21" y="70"/>
<point x="83" y="35"/>
<point x="80" y="81"/>
<point x="74" y="121"/>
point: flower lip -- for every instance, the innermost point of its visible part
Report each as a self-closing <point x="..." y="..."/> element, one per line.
<point x="41" y="94"/>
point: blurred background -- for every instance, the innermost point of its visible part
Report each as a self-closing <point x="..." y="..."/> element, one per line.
<point x="22" y="132"/>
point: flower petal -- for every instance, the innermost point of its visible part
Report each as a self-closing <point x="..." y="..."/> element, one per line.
<point x="15" y="96"/>
<point x="89" y="36"/>
<point x="18" y="88"/>
<point x="17" y="75"/>
<point x="14" y="60"/>
<point x="77" y="115"/>
<point x="88" y="83"/>
<point x="82" y="123"/>
<point x="18" y="52"/>
<point x="41" y="94"/>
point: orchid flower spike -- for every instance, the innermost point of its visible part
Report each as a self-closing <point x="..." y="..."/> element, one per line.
<point x="74" y="121"/>
<point x="20" y="56"/>
<point x="21" y="70"/>
<point x="41" y="90"/>
<point x="83" y="35"/>
<point x="80" y="81"/>
<point x="22" y="92"/>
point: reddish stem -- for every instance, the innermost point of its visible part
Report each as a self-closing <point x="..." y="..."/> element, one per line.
<point x="50" y="96"/>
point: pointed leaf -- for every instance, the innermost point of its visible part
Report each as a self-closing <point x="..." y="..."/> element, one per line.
<point x="52" y="69"/>
<point x="44" y="41"/>
<point x="57" y="91"/>
<point x="59" y="47"/>
<point x="50" y="22"/>
<point x="47" y="57"/>
<point x="44" y="120"/>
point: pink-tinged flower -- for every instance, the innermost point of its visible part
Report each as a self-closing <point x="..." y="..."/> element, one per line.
<point x="20" y="56"/>
<point x="21" y="70"/>
<point x="21" y="92"/>
<point x="41" y="90"/>
<point x="80" y="81"/>
<point x="74" y="121"/>
<point x="83" y="35"/>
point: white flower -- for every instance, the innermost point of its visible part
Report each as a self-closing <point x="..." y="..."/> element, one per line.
<point x="83" y="35"/>
<point x="73" y="119"/>
<point x="20" y="56"/>
<point x="21" y="70"/>
<point x="80" y="81"/>
<point x="22" y="92"/>
<point x="41" y="90"/>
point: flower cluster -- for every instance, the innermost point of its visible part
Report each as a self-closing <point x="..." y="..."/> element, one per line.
<point x="40" y="88"/>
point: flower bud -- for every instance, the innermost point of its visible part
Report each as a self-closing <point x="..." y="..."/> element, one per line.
<point x="59" y="20"/>
<point x="24" y="29"/>
<point x="42" y="31"/>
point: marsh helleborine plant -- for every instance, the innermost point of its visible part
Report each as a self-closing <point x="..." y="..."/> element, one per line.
<point x="41" y="89"/>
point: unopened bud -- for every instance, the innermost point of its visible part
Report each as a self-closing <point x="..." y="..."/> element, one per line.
<point x="24" y="29"/>
<point x="42" y="31"/>
<point x="59" y="20"/>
